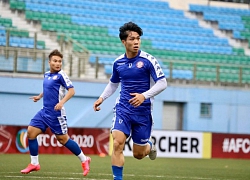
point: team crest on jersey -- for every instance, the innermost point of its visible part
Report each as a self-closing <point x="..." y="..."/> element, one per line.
<point x="55" y="77"/>
<point x="139" y="64"/>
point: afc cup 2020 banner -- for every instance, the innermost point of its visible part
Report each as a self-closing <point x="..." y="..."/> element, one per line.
<point x="174" y="144"/>
<point x="13" y="139"/>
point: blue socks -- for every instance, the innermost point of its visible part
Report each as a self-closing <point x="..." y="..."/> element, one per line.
<point x="70" y="144"/>
<point x="117" y="172"/>
<point x="73" y="147"/>
<point x="33" y="147"/>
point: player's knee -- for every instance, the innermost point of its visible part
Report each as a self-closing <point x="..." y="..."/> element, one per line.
<point x="117" y="146"/>
<point x="138" y="155"/>
<point x="31" y="134"/>
<point x="61" y="141"/>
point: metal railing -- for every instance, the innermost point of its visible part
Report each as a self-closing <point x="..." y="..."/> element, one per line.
<point x="217" y="69"/>
<point x="76" y="58"/>
<point x="33" y="56"/>
<point x="35" y="61"/>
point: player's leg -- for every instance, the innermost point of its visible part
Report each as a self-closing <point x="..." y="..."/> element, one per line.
<point x="34" y="165"/>
<point x="35" y="128"/>
<point x="60" y="130"/>
<point x="153" y="152"/>
<point x="140" y="151"/>
<point x="141" y="131"/>
<point x="117" y="157"/>
<point x="75" y="149"/>
<point x="120" y="131"/>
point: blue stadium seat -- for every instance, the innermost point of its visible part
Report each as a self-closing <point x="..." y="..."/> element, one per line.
<point x="2" y="41"/>
<point x="231" y="26"/>
<point x="166" y="72"/>
<point x="182" y="74"/>
<point x="108" y="69"/>
<point x="6" y="64"/>
<point x="2" y="31"/>
<point x="237" y="35"/>
<point x="28" y="64"/>
<point x="15" y="41"/>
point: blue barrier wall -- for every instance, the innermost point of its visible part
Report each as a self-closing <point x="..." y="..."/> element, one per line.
<point x="230" y="107"/>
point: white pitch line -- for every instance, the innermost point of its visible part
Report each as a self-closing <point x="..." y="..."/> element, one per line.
<point x="104" y="174"/>
<point x="39" y="177"/>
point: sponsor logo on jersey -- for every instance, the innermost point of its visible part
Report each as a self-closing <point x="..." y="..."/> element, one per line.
<point x="55" y="77"/>
<point x="139" y="64"/>
<point x="160" y="74"/>
<point x="158" y="69"/>
<point x="119" y="64"/>
<point x="144" y="140"/>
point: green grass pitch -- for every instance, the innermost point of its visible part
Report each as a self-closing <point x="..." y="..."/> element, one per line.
<point x="68" y="167"/>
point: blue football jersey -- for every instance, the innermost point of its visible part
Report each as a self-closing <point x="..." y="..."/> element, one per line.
<point x="55" y="86"/>
<point x="136" y="75"/>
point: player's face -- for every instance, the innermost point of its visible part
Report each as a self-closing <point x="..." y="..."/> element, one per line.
<point x="55" y="64"/>
<point x="132" y="43"/>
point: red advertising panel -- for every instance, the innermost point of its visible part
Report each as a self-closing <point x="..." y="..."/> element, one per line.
<point x="13" y="139"/>
<point x="230" y="146"/>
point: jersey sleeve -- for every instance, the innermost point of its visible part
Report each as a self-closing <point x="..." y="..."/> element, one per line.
<point x="155" y="69"/>
<point x="115" y="75"/>
<point x="65" y="81"/>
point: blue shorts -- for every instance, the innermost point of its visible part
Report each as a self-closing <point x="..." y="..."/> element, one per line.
<point x="138" y="126"/>
<point x="43" y="119"/>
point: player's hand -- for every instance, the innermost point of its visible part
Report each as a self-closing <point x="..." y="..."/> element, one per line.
<point x="58" y="106"/>
<point x="35" y="98"/>
<point x="137" y="100"/>
<point x="97" y="103"/>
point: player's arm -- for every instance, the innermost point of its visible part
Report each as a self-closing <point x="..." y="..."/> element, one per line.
<point x="37" y="98"/>
<point x="108" y="91"/>
<point x="158" y="87"/>
<point x="70" y="94"/>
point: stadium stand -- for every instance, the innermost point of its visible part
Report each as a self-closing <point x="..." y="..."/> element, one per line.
<point x="233" y="19"/>
<point x="185" y="49"/>
<point x="17" y="37"/>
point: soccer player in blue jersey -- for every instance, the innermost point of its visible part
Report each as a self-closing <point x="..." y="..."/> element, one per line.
<point x="141" y="78"/>
<point x="57" y="90"/>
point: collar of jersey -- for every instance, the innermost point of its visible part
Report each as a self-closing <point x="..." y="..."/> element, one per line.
<point x="139" y="52"/>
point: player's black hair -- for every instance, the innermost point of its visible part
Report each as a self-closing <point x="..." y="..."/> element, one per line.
<point x="55" y="53"/>
<point x="130" y="26"/>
